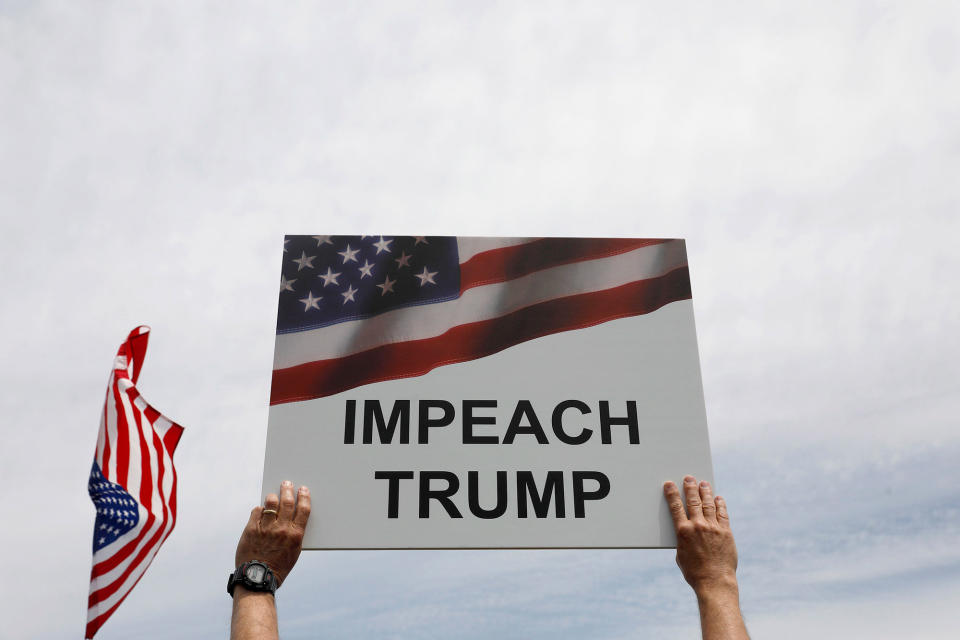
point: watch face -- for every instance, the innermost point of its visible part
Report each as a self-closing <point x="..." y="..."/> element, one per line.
<point x="255" y="573"/>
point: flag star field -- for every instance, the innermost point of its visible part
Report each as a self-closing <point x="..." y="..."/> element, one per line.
<point x="117" y="511"/>
<point x="331" y="279"/>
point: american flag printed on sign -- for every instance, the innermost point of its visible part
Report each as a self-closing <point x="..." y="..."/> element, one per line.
<point x="354" y="310"/>
<point x="133" y="485"/>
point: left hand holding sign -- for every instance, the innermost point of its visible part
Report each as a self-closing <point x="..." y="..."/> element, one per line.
<point x="273" y="536"/>
<point x="274" y="533"/>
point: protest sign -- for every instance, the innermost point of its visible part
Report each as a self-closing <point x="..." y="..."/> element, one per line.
<point x="442" y="392"/>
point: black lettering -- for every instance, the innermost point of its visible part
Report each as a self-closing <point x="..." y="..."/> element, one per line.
<point x="469" y="420"/>
<point x="630" y="421"/>
<point x="393" y="488"/>
<point x="580" y="495"/>
<point x="399" y="416"/>
<point x="425" y="421"/>
<point x="349" y="421"/>
<point x="552" y="488"/>
<point x="562" y="435"/>
<point x="524" y="408"/>
<point x="473" y="482"/>
<point x="440" y="495"/>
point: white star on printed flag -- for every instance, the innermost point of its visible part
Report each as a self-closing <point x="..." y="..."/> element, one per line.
<point x="383" y="245"/>
<point x="310" y="302"/>
<point x="426" y="277"/>
<point x="349" y="255"/>
<point x="285" y="284"/>
<point x="348" y="294"/>
<point x="322" y="240"/>
<point x="403" y="260"/>
<point x="387" y="286"/>
<point x="420" y="239"/>
<point x="304" y="261"/>
<point x="366" y="269"/>
<point x="329" y="276"/>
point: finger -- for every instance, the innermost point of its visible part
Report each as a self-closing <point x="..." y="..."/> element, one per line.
<point x="303" y="508"/>
<point x="692" y="494"/>
<point x="287" y="501"/>
<point x="255" y="515"/>
<point x="672" y="494"/>
<point x="722" y="516"/>
<point x="706" y="497"/>
<point x="270" y="506"/>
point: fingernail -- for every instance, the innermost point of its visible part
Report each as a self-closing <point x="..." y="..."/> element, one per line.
<point x="304" y="490"/>
<point x="705" y="484"/>
<point x="690" y="480"/>
<point x="287" y="483"/>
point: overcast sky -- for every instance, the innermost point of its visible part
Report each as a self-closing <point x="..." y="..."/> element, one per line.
<point x="153" y="157"/>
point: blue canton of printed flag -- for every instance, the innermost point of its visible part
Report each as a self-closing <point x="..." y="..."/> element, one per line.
<point x="339" y="278"/>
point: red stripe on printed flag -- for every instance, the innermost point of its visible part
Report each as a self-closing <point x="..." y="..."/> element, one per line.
<point x="477" y="339"/>
<point x="507" y="263"/>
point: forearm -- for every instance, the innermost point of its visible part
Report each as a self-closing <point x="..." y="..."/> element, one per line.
<point x="254" y="616"/>
<point x="720" y="617"/>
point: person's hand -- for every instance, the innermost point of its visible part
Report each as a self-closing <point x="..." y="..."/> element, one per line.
<point x="274" y="533"/>
<point x="706" y="553"/>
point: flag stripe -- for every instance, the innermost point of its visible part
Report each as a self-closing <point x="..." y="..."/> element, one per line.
<point x="116" y="557"/>
<point x="507" y="263"/>
<point x="123" y="439"/>
<point x="147" y="460"/>
<point x="128" y="466"/>
<point x="104" y="585"/>
<point x="94" y="625"/>
<point x="476" y="304"/>
<point x="469" y="246"/>
<point x="137" y="563"/>
<point x="478" y="339"/>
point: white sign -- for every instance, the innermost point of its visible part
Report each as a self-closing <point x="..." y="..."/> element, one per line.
<point x="485" y="392"/>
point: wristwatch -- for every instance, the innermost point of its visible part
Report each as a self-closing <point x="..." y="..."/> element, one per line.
<point x="255" y="576"/>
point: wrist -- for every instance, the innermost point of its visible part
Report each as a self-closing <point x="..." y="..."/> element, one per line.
<point x="722" y="587"/>
<point x="240" y="591"/>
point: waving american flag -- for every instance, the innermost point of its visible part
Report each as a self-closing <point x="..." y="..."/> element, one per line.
<point x="133" y="485"/>
<point x="360" y="309"/>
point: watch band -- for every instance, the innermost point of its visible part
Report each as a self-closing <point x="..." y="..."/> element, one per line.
<point x="267" y="585"/>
